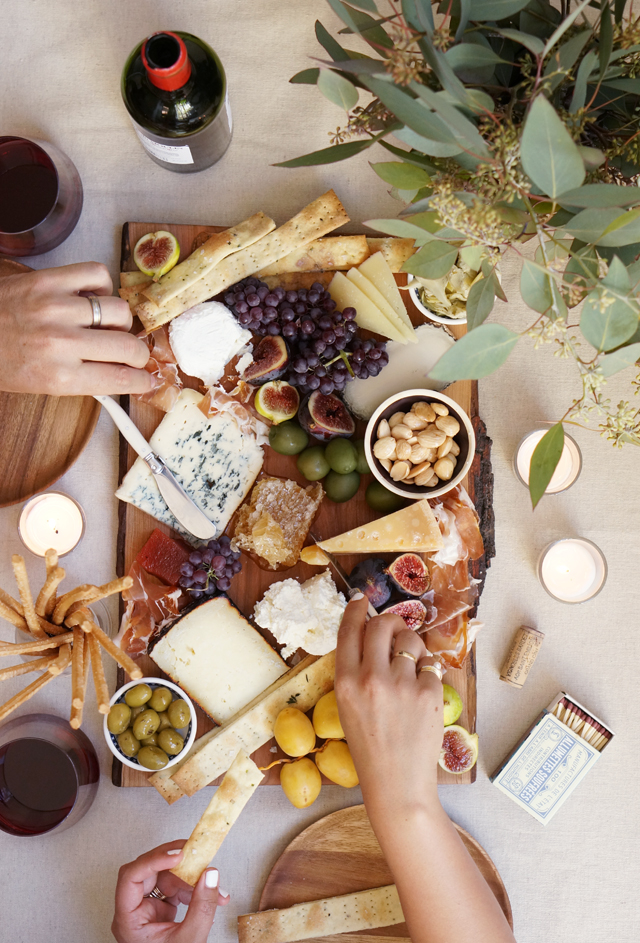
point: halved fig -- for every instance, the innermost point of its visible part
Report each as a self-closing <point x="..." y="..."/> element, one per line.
<point x="370" y="577"/>
<point x="277" y="400"/>
<point x="459" y="750"/>
<point x="270" y="359"/>
<point x="410" y="574"/>
<point x="156" y="253"/>
<point x="412" y="611"/>
<point x="324" y="416"/>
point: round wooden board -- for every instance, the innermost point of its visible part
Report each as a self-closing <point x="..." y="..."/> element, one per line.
<point x="339" y="854"/>
<point x="42" y="436"/>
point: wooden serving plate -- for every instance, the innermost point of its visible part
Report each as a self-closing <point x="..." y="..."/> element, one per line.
<point x="42" y="436"/>
<point x="340" y="854"/>
<point x="249" y="586"/>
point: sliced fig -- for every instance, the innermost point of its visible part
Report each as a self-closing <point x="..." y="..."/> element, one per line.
<point x="324" y="416"/>
<point x="459" y="750"/>
<point x="156" y="253"/>
<point x="370" y="577"/>
<point x="270" y="359"/>
<point x="410" y="574"/>
<point x="277" y="401"/>
<point x="412" y="611"/>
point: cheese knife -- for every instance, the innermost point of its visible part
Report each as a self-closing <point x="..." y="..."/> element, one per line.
<point x="177" y="500"/>
<point x="344" y="579"/>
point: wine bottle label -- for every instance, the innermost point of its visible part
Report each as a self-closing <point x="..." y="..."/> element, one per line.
<point x="171" y="153"/>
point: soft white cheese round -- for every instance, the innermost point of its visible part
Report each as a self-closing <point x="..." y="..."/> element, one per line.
<point x="205" y="338"/>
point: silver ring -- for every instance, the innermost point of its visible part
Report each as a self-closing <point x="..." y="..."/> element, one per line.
<point x="438" y="670"/>
<point x="96" y="311"/>
<point x="157" y="893"/>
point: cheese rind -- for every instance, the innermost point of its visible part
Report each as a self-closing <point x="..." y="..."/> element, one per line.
<point x="412" y="528"/>
<point x="368" y="316"/>
<point x="219" y="659"/>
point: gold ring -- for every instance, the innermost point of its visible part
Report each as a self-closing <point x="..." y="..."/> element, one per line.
<point x="436" y="669"/>
<point x="406" y="655"/>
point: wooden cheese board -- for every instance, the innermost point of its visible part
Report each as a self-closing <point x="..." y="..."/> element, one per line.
<point x="135" y="527"/>
<point x="340" y="854"/>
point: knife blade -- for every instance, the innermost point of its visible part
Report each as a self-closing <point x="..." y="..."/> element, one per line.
<point x="339" y="571"/>
<point x="183" y="507"/>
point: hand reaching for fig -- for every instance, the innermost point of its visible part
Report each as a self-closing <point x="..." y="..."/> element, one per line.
<point x="46" y="341"/>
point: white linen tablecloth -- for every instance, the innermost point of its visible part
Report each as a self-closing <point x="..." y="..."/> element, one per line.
<point x="575" y="880"/>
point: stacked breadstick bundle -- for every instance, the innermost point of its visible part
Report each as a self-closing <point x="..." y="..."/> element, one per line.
<point x="63" y="632"/>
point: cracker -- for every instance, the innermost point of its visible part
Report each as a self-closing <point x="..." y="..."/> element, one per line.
<point x="323" y="255"/>
<point x="133" y="280"/>
<point x="241" y="781"/>
<point x="395" y="250"/>
<point x="295" y="281"/>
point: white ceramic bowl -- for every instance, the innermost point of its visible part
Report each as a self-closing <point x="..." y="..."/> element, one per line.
<point x="401" y="403"/>
<point x="428" y="313"/>
<point x="153" y="683"/>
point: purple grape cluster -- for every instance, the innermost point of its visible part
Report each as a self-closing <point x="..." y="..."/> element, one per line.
<point x="325" y="350"/>
<point x="211" y="570"/>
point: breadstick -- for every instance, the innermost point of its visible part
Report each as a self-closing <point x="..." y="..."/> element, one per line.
<point x="49" y="627"/>
<point x="78" y="616"/>
<point x="97" y="669"/>
<point x="28" y="648"/>
<point x="62" y="661"/>
<point x="25" y="694"/>
<point x="37" y="664"/>
<point x="75" y="719"/>
<point x="20" y="573"/>
<point x="80" y="593"/>
<point x="49" y="590"/>
<point x="51" y="562"/>
<point x="9" y="613"/>
<point x="110" y="588"/>
<point x="116" y="653"/>
<point x="8" y="600"/>
<point x="77" y="668"/>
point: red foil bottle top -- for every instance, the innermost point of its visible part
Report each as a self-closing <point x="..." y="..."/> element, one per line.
<point x="164" y="56"/>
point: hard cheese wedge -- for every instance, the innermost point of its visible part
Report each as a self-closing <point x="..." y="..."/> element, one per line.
<point x="413" y="528"/>
<point x="372" y="293"/>
<point x="219" y="659"/>
<point x="369" y="316"/>
<point x="377" y="270"/>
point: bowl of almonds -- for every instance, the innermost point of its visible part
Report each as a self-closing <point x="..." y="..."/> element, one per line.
<point x="419" y="444"/>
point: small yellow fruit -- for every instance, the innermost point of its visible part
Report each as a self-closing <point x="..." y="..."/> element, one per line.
<point x="335" y="762"/>
<point x="301" y="782"/>
<point x="156" y="253"/>
<point x="326" y="721"/>
<point x="294" y="732"/>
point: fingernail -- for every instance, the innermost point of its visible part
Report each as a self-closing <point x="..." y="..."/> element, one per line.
<point x="223" y="893"/>
<point x="211" y="878"/>
<point x="357" y="596"/>
<point x="175" y="851"/>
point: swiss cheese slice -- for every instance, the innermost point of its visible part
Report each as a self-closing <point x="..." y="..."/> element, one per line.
<point x="413" y="528"/>
<point x="373" y="294"/>
<point x="377" y="270"/>
<point x="369" y="316"/>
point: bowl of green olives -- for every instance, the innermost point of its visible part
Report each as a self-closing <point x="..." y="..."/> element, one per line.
<point x="151" y="724"/>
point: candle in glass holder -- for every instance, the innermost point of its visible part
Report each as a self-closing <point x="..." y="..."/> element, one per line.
<point x="51" y="521"/>
<point x="572" y="570"/>
<point x="567" y="469"/>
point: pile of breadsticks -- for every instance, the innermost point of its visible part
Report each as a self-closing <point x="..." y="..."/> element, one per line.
<point x="63" y="632"/>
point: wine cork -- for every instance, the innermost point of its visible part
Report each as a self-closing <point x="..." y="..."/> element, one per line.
<point x="522" y="654"/>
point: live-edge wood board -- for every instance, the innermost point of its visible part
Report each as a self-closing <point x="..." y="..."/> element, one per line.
<point x="248" y="586"/>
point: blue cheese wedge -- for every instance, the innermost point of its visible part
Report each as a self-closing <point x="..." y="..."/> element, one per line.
<point x="306" y="615"/>
<point x="213" y="459"/>
<point x="218" y="658"/>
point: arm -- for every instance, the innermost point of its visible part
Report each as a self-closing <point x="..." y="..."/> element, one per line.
<point x="47" y="342"/>
<point x="392" y="717"/>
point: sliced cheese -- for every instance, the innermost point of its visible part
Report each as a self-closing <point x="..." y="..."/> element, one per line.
<point x="413" y="528"/>
<point x="362" y="910"/>
<point x="369" y="316"/>
<point x="377" y="270"/>
<point x="369" y="289"/>
<point x="217" y="657"/>
<point x="253" y="726"/>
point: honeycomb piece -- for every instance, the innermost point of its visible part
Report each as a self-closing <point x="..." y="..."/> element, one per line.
<point x="274" y="524"/>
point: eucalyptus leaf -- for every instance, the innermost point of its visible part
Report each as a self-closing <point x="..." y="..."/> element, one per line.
<point x="369" y="28"/>
<point x="368" y="5"/>
<point x="606" y="36"/>
<point x="471" y="56"/>
<point x="483" y="10"/>
<point x="405" y="230"/>
<point x="549" y="156"/>
<point x="427" y="145"/>
<point x="566" y="24"/>
<point x="332" y="46"/>
<point x="413" y="113"/>
<point x="445" y="74"/>
<point x="565" y="58"/>
<point x="337" y="89"/>
<point x="579" y="97"/>
<point x="600" y="194"/>
<point x="329" y="155"/>
<point x="401" y="175"/>
<point x="620" y="359"/>
<point x="544" y="461"/>
<point x="532" y="43"/>
<point x="535" y="287"/>
<point x="464" y="130"/>
<point x="593" y="157"/>
<point x="590" y="224"/>
<point x="477" y="354"/>
<point x="465" y="14"/>
<point x="617" y="277"/>
<point x="419" y="15"/>
<point x="306" y="77"/>
<point x="622" y="231"/>
<point x="618" y="7"/>
<point x="413" y="157"/>
<point x="607" y="322"/>
<point x="480" y="301"/>
<point x="581" y="273"/>
<point x="627" y="254"/>
<point x="628" y="86"/>
<point x="433" y="260"/>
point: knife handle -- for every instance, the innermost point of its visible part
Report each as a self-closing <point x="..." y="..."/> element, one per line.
<point x="126" y="426"/>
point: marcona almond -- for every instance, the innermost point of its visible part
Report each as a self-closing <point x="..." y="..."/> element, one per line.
<point x="385" y="448"/>
<point x="431" y="438"/>
<point x="433" y="481"/>
<point x="422" y="467"/>
<point x="399" y="470"/>
<point x="425" y="411"/>
<point x="414" y="421"/>
<point x="445" y="448"/>
<point x="440" y="409"/>
<point x="448" y="424"/>
<point x="444" y="468"/>
<point x="403" y="450"/>
<point x="384" y="429"/>
<point x="432" y="455"/>
<point x="395" y="419"/>
<point x="455" y="449"/>
<point x="400" y="431"/>
<point x="412" y="440"/>
<point x="425" y="478"/>
<point x="386" y="464"/>
<point x="419" y="454"/>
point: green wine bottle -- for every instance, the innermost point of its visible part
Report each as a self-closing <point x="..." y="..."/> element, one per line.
<point x="175" y="90"/>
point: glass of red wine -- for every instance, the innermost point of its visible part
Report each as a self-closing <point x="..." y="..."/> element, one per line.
<point x="49" y="775"/>
<point x="40" y="196"/>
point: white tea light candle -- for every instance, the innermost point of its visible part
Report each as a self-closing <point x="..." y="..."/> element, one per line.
<point x="51" y="521"/>
<point x="567" y="469"/>
<point x="572" y="570"/>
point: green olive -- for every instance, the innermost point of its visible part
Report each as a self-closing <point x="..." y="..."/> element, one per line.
<point x="136" y="711"/>
<point x="170" y="741"/>
<point x="160" y="699"/>
<point x="119" y="718"/>
<point x="164" y="721"/>
<point x="342" y="456"/>
<point x="128" y="743"/>
<point x="288" y="438"/>
<point x="146" y="724"/>
<point x="340" y="488"/>
<point x="152" y="758"/>
<point x="363" y="465"/>
<point x="312" y="464"/>
<point x="179" y="714"/>
<point x="151" y="741"/>
<point x="138" y="695"/>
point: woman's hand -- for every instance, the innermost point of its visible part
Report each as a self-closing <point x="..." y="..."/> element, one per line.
<point x="142" y="919"/>
<point x="390" y="712"/>
<point x="47" y="342"/>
